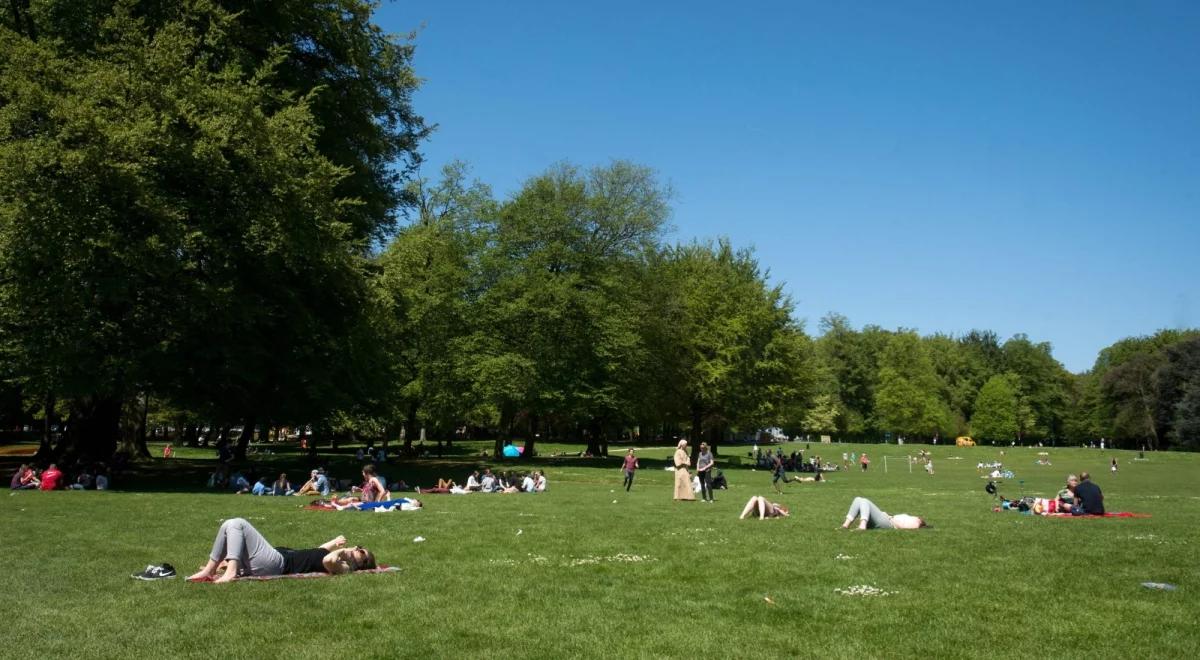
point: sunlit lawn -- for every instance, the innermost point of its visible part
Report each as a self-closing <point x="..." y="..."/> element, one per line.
<point x="586" y="569"/>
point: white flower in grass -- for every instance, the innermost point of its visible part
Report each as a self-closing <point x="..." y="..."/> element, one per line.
<point x="863" y="590"/>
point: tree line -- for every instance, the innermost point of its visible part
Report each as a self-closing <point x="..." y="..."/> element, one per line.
<point x="212" y="215"/>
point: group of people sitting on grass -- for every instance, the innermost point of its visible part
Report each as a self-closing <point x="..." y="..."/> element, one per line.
<point x="52" y="478"/>
<point x="487" y="482"/>
<point x="1079" y="497"/>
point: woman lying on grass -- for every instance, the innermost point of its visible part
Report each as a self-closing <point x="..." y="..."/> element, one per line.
<point x="765" y="509"/>
<point x="872" y="517"/>
<point x="239" y="550"/>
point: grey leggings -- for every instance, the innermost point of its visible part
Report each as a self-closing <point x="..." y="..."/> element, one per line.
<point x="237" y="539"/>
<point x="863" y="508"/>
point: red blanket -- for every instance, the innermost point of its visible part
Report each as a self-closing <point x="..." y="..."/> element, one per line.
<point x="1114" y="514"/>
<point x="380" y="569"/>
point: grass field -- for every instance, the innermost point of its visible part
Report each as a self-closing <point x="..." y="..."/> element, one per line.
<point x="587" y="570"/>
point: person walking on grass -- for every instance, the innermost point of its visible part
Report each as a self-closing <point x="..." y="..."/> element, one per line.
<point x="683" y="480"/>
<point x="630" y="467"/>
<point x="704" y="466"/>
<point x="778" y="474"/>
<point x="864" y="461"/>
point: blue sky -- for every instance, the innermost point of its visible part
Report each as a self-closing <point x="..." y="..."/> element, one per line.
<point x="1019" y="166"/>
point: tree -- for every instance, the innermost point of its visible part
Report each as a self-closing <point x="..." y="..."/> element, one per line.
<point x="427" y="280"/>
<point x="728" y="349"/>
<point x="168" y="219"/>
<point x="1176" y="384"/>
<point x="906" y="400"/>
<point x="558" y="319"/>
<point x="997" y="409"/>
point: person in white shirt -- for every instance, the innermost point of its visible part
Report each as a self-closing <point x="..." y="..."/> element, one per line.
<point x="473" y="482"/>
<point x="527" y="484"/>
<point x="539" y="481"/>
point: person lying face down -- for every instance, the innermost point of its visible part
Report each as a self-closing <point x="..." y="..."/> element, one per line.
<point x="872" y="517"/>
<point x="239" y="550"/>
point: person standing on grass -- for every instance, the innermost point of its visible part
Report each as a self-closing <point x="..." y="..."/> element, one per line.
<point x="630" y="467"/>
<point x="1114" y="465"/>
<point x="683" y="480"/>
<point x="872" y="517"/>
<point x="704" y="466"/>
<point x="864" y="461"/>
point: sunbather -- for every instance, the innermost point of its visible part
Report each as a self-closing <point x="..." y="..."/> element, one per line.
<point x="872" y="517"/>
<point x="764" y="508"/>
<point x="239" y="550"/>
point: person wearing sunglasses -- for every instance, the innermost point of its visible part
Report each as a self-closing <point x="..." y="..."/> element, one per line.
<point x="239" y="550"/>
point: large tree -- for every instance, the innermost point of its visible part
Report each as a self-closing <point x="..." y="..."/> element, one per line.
<point x="175" y="203"/>
<point x="907" y="398"/>
<point x="730" y="351"/>
<point x="557" y="339"/>
<point x="997" y="409"/>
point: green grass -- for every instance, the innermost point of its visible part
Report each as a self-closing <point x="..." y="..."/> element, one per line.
<point x="978" y="584"/>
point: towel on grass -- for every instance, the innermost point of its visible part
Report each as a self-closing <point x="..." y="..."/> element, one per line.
<point x="1112" y="514"/>
<point x="386" y="506"/>
<point x="380" y="569"/>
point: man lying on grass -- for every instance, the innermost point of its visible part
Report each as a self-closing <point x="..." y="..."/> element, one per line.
<point x="240" y="550"/>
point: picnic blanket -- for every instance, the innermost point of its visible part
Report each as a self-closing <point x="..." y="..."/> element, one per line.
<point x="289" y="576"/>
<point x="1112" y="514"/>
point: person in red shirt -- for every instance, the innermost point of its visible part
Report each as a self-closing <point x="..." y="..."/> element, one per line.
<point x="51" y="477"/>
<point x="630" y="467"/>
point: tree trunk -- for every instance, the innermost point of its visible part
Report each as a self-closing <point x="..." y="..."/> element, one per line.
<point x="191" y="435"/>
<point x="138" y="445"/>
<point x="244" y="439"/>
<point x="94" y="428"/>
<point x="46" y="446"/>
<point x="532" y="441"/>
<point x="264" y="436"/>
<point x="410" y="426"/>
<point x="697" y="427"/>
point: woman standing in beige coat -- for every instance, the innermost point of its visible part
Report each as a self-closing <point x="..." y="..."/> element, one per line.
<point x="683" y="480"/>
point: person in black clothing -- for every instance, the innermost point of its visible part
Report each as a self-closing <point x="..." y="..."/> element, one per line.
<point x="240" y="551"/>
<point x="1089" y="500"/>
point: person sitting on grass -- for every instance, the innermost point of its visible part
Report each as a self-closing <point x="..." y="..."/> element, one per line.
<point x="487" y="482"/>
<point x="372" y="488"/>
<point x="261" y="487"/>
<point x="317" y="484"/>
<point x="84" y="480"/>
<point x="1066" y="496"/>
<point x="24" y="478"/>
<point x="473" y="484"/>
<point x="51" y="478"/>
<point x="1089" y="498"/>
<point x="528" y="484"/>
<point x="765" y="509"/>
<point x="239" y="550"/>
<point x="239" y="484"/>
<point x="282" y="486"/>
<point x="872" y="517"/>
